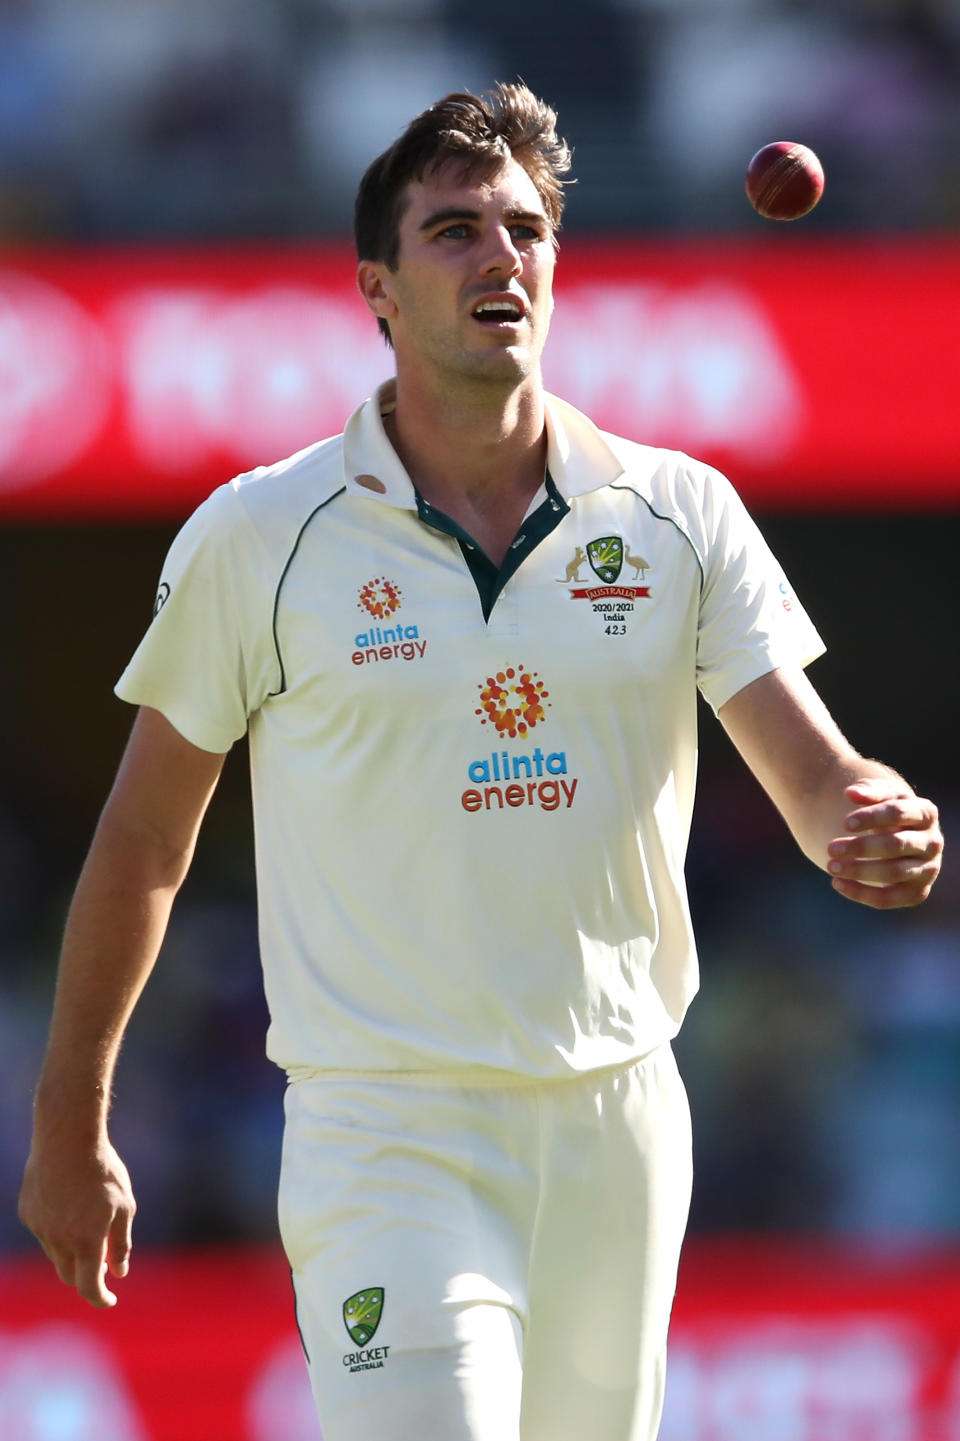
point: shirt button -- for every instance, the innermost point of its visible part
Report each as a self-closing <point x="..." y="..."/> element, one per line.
<point x="371" y="482"/>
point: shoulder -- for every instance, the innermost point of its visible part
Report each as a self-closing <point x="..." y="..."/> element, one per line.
<point x="262" y="512"/>
<point x="275" y="501"/>
<point x="671" y="476"/>
<point x="675" y="486"/>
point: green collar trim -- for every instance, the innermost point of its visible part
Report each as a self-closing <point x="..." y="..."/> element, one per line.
<point x="488" y="578"/>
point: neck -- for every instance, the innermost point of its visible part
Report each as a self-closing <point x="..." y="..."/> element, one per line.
<point x="483" y="445"/>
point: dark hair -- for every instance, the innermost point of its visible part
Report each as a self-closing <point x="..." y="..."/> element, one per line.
<point x="478" y="133"/>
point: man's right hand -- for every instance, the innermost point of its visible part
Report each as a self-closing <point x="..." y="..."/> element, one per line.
<point x="80" y="1207"/>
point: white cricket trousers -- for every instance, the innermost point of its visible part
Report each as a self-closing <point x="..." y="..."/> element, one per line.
<point x="487" y="1262"/>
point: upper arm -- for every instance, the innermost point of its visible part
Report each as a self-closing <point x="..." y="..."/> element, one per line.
<point x="787" y="737"/>
<point x="163" y="787"/>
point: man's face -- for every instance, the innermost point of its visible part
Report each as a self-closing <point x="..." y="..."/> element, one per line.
<point x="472" y="293"/>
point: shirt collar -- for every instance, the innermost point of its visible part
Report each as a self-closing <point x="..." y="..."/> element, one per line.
<point x="371" y="466"/>
<point x="578" y="457"/>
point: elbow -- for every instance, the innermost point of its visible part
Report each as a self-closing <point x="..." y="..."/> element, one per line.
<point x="130" y="844"/>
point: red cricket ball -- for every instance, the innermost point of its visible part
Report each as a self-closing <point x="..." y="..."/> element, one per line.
<point x="784" y="180"/>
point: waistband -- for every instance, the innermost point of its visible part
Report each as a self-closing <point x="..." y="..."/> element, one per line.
<point x="473" y="1078"/>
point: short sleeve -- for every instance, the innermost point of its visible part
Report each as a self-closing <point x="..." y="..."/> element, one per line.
<point x="750" y="620"/>
<point x="207" y="661"/>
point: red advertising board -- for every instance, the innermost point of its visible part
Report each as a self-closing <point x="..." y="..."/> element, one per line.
<point x="769" y="1343"/>
<point x="816" y="374"/>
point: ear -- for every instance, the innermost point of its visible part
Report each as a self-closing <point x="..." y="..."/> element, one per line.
<point x="373" y="282"/>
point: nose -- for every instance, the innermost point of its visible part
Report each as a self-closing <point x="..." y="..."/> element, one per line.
<point x="500" y="255"/>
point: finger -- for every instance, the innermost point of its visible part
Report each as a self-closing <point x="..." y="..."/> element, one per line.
<point x="63" y="1263"/>
<point x="885" y="872"/>
<point x="878" y="791"/>
<point x="882" y="898"/>
<point x="885" y="845"/>
<point x="119" y="1244"/>
<point x="91" y="1267"/>
<point x="898" y="813"/>
<point x="872" y="818"/>
<point x="875" y="787"/>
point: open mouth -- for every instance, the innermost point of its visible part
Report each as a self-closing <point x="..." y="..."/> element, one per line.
<point x="498" y="312"/>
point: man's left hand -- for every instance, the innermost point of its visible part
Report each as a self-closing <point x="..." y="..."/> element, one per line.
<point x="891" y="852"/>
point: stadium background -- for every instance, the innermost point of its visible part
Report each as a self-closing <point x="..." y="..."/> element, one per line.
<point x="218" y="144"/>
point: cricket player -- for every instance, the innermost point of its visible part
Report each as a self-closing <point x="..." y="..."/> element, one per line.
<point x="465" y="640"/>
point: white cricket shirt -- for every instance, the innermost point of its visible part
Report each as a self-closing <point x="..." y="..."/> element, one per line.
<point x="470" y="831"/>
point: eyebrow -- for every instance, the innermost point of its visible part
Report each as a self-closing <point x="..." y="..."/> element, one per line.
<point x="458" y="212"/>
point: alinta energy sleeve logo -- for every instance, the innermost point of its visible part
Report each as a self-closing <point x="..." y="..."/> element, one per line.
<point x="380" y="598"/>
<point x="514" y="702"/>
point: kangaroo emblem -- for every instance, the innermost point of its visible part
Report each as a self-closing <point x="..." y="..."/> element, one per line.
<point x="573" y="569"/>
<point x="640" y="566"/>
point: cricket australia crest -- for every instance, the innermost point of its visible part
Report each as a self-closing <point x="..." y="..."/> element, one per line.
<point x="606" y="557"/>
<point x="612" y="601"/>
<point x="361" y="1314"/>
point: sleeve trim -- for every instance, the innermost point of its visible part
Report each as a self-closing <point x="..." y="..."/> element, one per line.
<point x="205" y="738"/>
<point x="753" y="668"/>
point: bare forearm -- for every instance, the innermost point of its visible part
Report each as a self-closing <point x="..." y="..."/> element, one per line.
<point x="818" y="815"/>
<point x="114" y="931"/>
<point x="855" y="818"/>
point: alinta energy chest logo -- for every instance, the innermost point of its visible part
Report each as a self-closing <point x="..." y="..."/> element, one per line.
<point x="514" y="702"/>
<point x="380" y="599"/>
<point x="611" y="602"/>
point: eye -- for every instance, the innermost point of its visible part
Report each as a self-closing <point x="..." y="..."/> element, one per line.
<point x="459" y="231"/>
<point x="524" y="232"/>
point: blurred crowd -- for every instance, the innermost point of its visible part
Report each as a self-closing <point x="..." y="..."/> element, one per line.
<point x="824" y="1060"/>
<point x="136" y="119"/>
